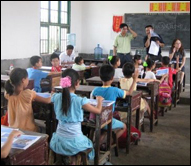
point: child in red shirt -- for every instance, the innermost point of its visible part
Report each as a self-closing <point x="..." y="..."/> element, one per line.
<point x="165" y="65"/>
<point x="55" y="61"/>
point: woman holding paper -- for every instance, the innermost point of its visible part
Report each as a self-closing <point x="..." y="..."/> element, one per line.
<point x="177" y="52"/>
<point x="153" y="43"/>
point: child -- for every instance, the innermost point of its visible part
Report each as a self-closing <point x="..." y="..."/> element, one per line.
<point x="137" y="63"/>
<point x="79" y="64"/>
<point x="55" y="61"/>
<point x="126" y="83"/>
<point x="115" y="62"/>
<point x="112" y="93"/>
<point x="7" y="146"/>
<point x="150" y="66"/>
<point x="68" y="138"/>
<point x="20" y="113"/>
<point x="36" y="74"/>
<point x="165" y="65"/>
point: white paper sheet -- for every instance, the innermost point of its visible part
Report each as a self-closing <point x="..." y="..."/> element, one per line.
<point x="154" y="48"/>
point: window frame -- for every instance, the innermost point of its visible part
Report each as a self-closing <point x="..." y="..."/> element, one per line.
<point x="59" y="24"/>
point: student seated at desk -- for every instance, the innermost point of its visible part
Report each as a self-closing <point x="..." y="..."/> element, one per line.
<point x="137" y="63"/>
<point x="68" y="138"/>
<point x="20" y="113"/>
<point x="116" y="62"/>
<point x="79" y="64"/>
<point x="126" y="83"/>
<point x="112" y="93"/>
<point x="55" y="61"/>
<point x="36" y="74"/>
<point x="5" y="149"/>
<point x="171" y="71"/>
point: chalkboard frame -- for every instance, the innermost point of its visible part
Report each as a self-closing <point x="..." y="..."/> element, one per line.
<point x="174" y="28"/>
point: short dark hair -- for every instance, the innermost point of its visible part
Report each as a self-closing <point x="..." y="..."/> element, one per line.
<point x="78" y="59"/>
<point x="34" y="59"/>
<point x="165" y="60"/>
<point x="136" y="57"/>
<point x="54" y="56"/>
<point x="149" y="26"/>
<point x="128" y="69"/>
<point x="150" y="63"/>
<point x="114" y="60"/>
<point x="106" y="73"/>
<point x="123" y="25"/>
<point x="69" y="47"/>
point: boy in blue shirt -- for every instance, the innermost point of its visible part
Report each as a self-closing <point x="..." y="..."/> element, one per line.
<point x="36" y="74"/>
<point x="112" y="93"/>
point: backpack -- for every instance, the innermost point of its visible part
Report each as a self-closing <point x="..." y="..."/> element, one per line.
<point x="135" y="136"/>
<point x="135" y="133"/>
<point x="165" y="92"/>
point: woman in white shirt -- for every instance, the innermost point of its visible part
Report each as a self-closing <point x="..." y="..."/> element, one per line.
<point x="115" y="62"/>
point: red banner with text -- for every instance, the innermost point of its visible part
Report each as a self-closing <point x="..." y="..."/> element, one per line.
<point x="117" y="20"/>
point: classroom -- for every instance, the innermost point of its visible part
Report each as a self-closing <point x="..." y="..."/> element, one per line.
<point x="113" y="76"/>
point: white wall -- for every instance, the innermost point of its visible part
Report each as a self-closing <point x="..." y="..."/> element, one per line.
<point x="20" y="29"/>
<point x="97" y="18"/>
<point x="76" y="23"/>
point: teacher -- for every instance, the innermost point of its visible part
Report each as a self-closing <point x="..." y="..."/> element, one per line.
<point x="122" y="44"/>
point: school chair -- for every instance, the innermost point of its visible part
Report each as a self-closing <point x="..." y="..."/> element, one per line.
<point x="56" y="159"/>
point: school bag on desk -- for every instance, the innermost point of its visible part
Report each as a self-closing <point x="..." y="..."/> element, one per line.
<point x="165" y="92"/>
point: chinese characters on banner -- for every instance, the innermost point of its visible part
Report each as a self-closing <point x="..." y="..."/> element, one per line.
<point x="117" y="20"/>
<point x="170" y="7"/>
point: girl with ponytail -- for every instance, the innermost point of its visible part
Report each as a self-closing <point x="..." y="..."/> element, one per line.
<point x="68" y="138"/>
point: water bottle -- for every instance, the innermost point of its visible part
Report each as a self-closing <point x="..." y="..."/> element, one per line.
<point x="98" y="52"/>
<point x="11" y="67"/>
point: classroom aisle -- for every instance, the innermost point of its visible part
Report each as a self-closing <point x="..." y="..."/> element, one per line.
<point x="169" y="144"/>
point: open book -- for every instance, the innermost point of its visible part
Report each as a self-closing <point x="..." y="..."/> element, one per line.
<point x="104" y="103"/>
<point x="162" y="72"/>
<point x="21" y="142"/>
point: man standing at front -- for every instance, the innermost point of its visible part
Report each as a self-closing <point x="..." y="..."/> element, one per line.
<point x="122" y="44"/>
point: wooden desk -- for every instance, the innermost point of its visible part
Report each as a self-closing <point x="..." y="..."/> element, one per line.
<point x="153" y="91"/>
<point x="96" y="61"/>
<point x="36" y="154"/>
<point x="45" y="112"/>
<point x="105" y="118"/>
<point x="51" y="81"/>
<point x="130" y="104"/>
<point x="48" y="68"/>
<point x="97" y="81"/>
<point x="177" y="88"/>
<point x="81" y="90"/>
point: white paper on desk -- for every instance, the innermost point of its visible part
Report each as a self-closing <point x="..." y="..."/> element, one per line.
<point x="21" y="142"/>
<point x="104" y="102"/>
<point x="141" y="83"/>
<point x="45" y="95"/>
<point x="154" y="48"/>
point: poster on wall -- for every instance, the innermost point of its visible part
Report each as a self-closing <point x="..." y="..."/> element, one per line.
<point x="117" y="20"/>
<point x="170" y="7"/>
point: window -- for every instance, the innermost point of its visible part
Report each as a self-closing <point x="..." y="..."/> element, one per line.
<point x="55" y="24"/>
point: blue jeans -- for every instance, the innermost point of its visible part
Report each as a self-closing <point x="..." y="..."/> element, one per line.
<point x="124" y="58"/>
